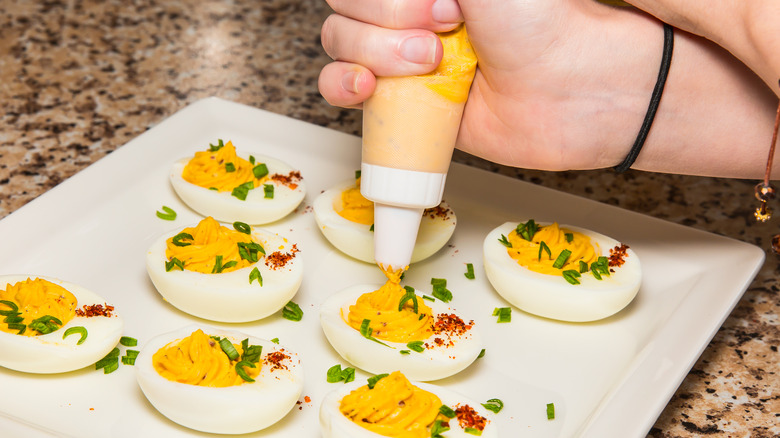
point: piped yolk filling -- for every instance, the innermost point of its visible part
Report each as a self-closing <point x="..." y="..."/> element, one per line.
<point x="527" y="253"/>
<point x="387" y="322"/>
<point x="199" y="360"/>
<point x="393" y="408"/>
<point x="221" y="169"/>
<point x="209" y="240"/>
<point x="36" y="298"/>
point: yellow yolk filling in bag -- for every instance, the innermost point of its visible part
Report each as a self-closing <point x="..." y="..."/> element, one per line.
<point x="222" y="169"/>
<point x="527" y="253"/>
<point x="36" y="298"/>
<point x="452" y="78"/>
<point x="199" y="360"/>
<point x="209" y="240"/>
<point x="393" y="408"/>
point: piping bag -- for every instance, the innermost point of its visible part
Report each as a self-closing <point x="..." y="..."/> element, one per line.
<point x="410" y="125"/>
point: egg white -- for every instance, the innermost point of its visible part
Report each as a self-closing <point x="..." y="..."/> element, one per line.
<point x="228" y="296"/>
<point x="431" y="364"/>
<point x="357" y="240"/>
<point x="255" y="210"/>
<point x="230" y="410"/>
<point x="552" y="296"/>
<point x="333" y="424"/>
<point x="50" y="353"/>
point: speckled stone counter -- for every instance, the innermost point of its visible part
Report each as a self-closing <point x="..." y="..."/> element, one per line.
<point x="79" y="79"/>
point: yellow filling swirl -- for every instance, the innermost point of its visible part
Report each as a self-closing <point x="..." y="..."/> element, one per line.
<point x="387" y="322"/>
<point x="354" y="207"/>
<point x="393" y="408"/>
<point x="527" y="253"/>
<point x="222" y="169"/>
<point x="209" y="240"/>
<point x="452" y="78"/>
<point x="36" y="298"/>
<point x="199" y="360"/>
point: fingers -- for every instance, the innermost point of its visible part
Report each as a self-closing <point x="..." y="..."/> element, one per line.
<point x="434" y="15"/>
<point x="345" y="84"/>
<point x="385" y="52"/>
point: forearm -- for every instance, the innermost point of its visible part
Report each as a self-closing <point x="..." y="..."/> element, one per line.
<point x="715" y="116"/>
<point x="750" y="30"/>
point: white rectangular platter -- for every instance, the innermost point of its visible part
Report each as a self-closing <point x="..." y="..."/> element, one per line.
<point x="607" y="379"/>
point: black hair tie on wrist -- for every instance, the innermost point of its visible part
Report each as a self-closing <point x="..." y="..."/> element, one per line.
<point x="655" y="100"/>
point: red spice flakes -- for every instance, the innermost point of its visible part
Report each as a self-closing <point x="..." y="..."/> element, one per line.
<point x="275" y="359"/>
<point x="278" y="259"/>
<point x="307" y="399"/>
<point x="438" y="212"/>
<point x="617" y="255"/>
<point x="449" y="325"/>
<point x="468" y="417"/>
<point x="95" y="310"/>
<point x="290" y="180"/>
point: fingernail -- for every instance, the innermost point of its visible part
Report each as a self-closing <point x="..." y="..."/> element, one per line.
<point x="446" y="11"/>
<point x="350" y="81"/>
<point x="419" y="49"/>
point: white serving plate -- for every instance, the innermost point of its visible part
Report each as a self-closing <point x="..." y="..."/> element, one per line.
<point x="607" y="379"/>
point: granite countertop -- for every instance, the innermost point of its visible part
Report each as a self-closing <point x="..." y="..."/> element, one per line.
<point x="79" y="79"/>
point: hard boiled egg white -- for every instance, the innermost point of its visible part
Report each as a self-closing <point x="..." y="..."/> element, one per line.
<point x="357" y="240"/>
<point x="230" y="296"/>
<point x="334" y="424"/>
<point x="435" y="362"/>
<point x="288" y="192"/>
<point x="50" y="353"/>
<point x="552" y="296"/>
<point x="247" y="407"/>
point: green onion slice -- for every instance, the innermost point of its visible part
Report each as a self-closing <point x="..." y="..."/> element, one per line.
<point x="241" y="227"/>
<point x="447" y="411"/>
<point x="167" y="213"/>
<point x="543" y="247"/>
<point x="504" y="314"/>
<point x="569" y="237"/>
<point x="242" y="372"/>
<point x="372" y="380"/>
<point x="127" y="341"/>
<point x="268" y="191"/>
<point x="80" y="330"/>
<point x="11" y="304"/>
<point x="494" y="405"/>
<point x="218" y="146"/>
<point x="469" y="271"/>
<point x="481" y="354"/>
<point x="550" y="411"/>
<point x="473" y="431"/>
<point x="416" y="346"/>
<point x="527" y="230"/>
<point x="438" y="428"/>
<point x="408" y="296"/>
<point x="260" y="170"/>
<point x="561" y="259"/>
<point x="255" y="275"/>
<point x="177" y="239"/>
<point x="174" y="263"/>
<point x="504" y="242"/>
<point x="230" y="167"/>
<point x="292" y="312"/>
<point x="127" y="360"/>
<point x="228" y="348"/>
<point x="572" y="276"/>
<point x="442" y="293"/>
<point x="241" y="191"/>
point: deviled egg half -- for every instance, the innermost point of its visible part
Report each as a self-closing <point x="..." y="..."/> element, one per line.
<point x="381" y="328"/>
<point x="561" y="272"/>
<point x="52" y="326"/>
<point x="254" y="189"/>
<point x="219" y="381"/>
<point x="390" y="405"/>
<point x="346" y="219"/>
<point x="224" y="273"/>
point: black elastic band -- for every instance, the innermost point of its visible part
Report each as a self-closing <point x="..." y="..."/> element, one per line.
<point x="655" y="100"/>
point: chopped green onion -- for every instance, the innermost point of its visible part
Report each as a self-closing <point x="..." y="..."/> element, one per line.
<point x="504" y="242"/>
<point x="405" y="352"/>
<point x="416" y="346"/>
<point x="230" y="167"/>
<point x="569" y="237"/>
<point x="504" y="314"/>
<point x="255" y="275"/>
<point x="218" y="146"/>
<point x="365" y="329"/>
<point x="550" y="411"/>
<point x="527" y="230"/>
<point x="251" y="159"/>
<point x="336" y="374"/>
<point x="111" y="366"/>
<point x="572" y="276"/>
<point x="543" y="247"/>
<point x="13" y="319"/>
<point x="251" y="353"/>
<point x="249" y="251"/>
<point x="242" y="372"/>
<point x="357" y="174"/>
<point x="348" y="374"/>
<point x="218" y="266"/>
<point x="426" y="297"/>
<point x="167" y="214"/>
<point x="268" y="191"/>
<point x="16" y="326"/>
<point x="45" y="324"/>
<point x="127" y="341"/>
<point x="408" y="296"/>
<point x="241" y="191"/>
<point x="109" y="362"/>
<point x="494" y="405"/>
<point x="372" y="380"/>
<point x="439" y="282"/>
<point x="241" y="227"/>
<point x="371" y="228"/>
<point x="561" y="259"/>
<point x="177" y="239"/>
<point x="11" y="304"/>
<point x="228" y="348"/>
<point x="473" y="431"/>
<point x="481" y="354"/>
<point x="438" y="428"/>
<point x="583" y="267"/>
<point x="275" y="340"/>
<point x="446" y="411"/>
<point x="292" y="312"/>
<point x="127" y="360"/>
<point x="80" y="330"/>
<point x="442" y="293"/>
<point x="469" y="271"/>
<point x="174" y="263"/>
<point x="260" y="170"/>
<point x="132" y="353"/>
